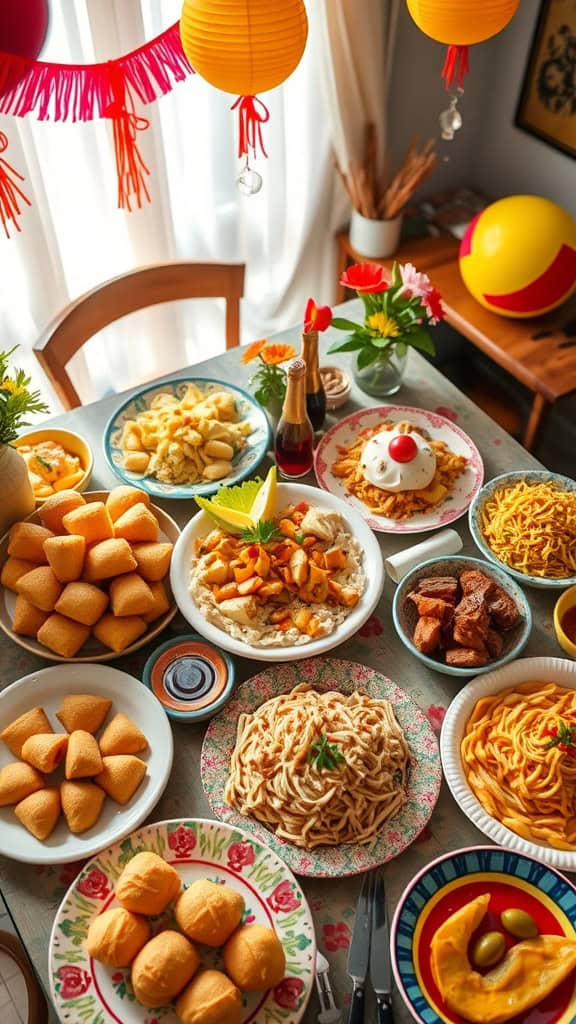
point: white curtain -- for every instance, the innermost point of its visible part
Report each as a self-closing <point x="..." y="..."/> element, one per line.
<point x="73" y="237"/>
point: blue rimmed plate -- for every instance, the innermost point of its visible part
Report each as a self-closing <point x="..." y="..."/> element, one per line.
<point x="513" y="880"/>
<point x="503" y="481"/>
<point x="245" y="462"/>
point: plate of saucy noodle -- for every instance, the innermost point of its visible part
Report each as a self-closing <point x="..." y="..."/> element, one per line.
<point x="405" y="470"/>
<point x="508" y="748"/>
<point x="328" y="762"/>
<point x="526" y="522"/>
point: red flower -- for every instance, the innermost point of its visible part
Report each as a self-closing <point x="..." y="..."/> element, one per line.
<point x="436" y="715"/>
<point x="74" y="981"/>
<point x="433" y="302"/>
<point x="182" y="840"/>
<point x="336" y="936"/>
<point x="95" y="885"/>
<point x="365" y="277"/>
<point x="287" y="993"/>
<point x="117" y="978"/>
<point x="240" y="855"/>
<point x="372" y="627"/>
<point x="317" y="318"/>
<point x="282" y="899"/>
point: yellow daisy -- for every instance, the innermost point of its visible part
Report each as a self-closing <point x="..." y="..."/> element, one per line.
<point x="383" y="325"/>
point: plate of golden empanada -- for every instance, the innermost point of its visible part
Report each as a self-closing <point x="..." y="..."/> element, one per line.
<point x="86" y="576"/>
<point x="85" y="754"/>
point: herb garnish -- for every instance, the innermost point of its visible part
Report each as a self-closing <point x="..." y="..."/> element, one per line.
<point x="43" y="462"/>
<point x="261" y="533"/>
<point x="562" y="737"/>
<point x="323" y="754"/>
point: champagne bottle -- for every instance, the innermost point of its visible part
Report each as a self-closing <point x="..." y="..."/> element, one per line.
<point x="294" y="441"/>
<point x="315" y="394"/>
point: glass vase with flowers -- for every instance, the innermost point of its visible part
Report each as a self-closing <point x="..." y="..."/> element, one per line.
<point x="17" y="400"/>
<point x="397" y="315"/>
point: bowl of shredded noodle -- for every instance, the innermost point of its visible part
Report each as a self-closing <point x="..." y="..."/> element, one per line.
<point x="526" y="522"/>
<point x="509" y="760"/>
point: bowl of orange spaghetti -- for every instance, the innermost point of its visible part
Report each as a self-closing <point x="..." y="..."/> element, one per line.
<point x="526" y="522"/>
<point x="508" y="749"/>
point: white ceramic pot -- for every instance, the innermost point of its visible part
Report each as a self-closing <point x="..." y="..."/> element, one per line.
<point x="17" y="497"/>
<point x="374" y="238"/>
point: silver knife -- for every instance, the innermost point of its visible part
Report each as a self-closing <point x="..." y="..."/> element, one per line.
<point x="380" y="964"/>
<point x="359" y="952"/>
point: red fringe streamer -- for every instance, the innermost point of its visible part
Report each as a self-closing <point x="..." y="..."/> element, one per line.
<point x="82" y="92"/>
<point x="252" y="114"/>
<point x="456" y="63"/>
<point x="130" y="166"/>
<point x="10" y="193"/>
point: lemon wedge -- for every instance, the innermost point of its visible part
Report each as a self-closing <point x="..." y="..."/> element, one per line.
<point x="238" y="508"/>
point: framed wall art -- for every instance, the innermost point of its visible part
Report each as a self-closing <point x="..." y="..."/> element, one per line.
<point x="547" y="105"/>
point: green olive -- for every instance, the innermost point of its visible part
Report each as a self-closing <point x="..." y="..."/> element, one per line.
<point x="519" y="923"/>
<point x="488" y="949"/>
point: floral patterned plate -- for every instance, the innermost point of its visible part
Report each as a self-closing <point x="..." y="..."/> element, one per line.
<point x="245" y="462"/>
<point x="452" y="507"/>
<point x="86" y="991"/>
<point x="346" y="676"/>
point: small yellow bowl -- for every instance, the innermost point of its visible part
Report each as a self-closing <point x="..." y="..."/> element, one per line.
<point x="566" y="601"/>
<point x="71" y="442"/>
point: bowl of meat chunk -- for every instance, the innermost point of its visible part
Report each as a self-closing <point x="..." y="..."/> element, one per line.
<point x="461" y="616"/>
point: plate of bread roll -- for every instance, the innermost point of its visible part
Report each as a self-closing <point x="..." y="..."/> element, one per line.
<point x="85" y="754"/>
<point x="186" y="921"/>
<point x="86" y="576"/>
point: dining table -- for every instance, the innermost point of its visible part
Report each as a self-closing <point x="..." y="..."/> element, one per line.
<point x="33" y="892"/>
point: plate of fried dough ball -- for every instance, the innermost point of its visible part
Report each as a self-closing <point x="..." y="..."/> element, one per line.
<point x="188" y="921"/>
<point x="85" y="754"/>
<point x="86" y="576"/>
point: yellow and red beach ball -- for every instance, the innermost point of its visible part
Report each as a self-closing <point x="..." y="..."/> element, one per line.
<point x="518" y="256"/>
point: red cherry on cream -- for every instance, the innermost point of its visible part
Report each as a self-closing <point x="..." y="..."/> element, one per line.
<point x="403" y="448"/>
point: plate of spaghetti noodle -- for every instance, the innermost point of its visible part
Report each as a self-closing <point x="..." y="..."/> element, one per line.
<point x="508" y="749"/>
<point x="526" y="522"/>
<point x="428" y="480"/>
<point x="328" y="762"/>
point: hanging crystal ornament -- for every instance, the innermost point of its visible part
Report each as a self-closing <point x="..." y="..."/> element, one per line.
<point x="451" y="118"/>
<point x="249" y="182"/>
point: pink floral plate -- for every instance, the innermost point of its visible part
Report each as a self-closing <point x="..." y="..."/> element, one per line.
<point x="85" y="990"/>
<point x="454" y="504"/>
<point x="424" y="776"/>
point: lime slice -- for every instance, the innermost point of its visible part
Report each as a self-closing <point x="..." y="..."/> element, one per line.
<point x="228" y="519"/>
<point x="264" y="504"/>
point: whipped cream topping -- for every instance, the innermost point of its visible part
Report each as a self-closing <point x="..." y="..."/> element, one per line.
<point x="383" y="471"/>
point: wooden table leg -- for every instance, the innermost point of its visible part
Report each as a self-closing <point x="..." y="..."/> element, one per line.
<point x="341" y="264"/>
<point x="539" y="408"/>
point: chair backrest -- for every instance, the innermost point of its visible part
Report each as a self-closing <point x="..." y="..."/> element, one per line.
<point x="110" y="301"/>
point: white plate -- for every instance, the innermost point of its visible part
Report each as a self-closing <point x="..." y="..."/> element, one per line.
<point x="440" y="429"/>
<point x="46" y="688"/>
<point x="197" y="849"/>
<point x="92" y="650"/>
<point x="549" y="670"/>
<point x="287" y="494"/>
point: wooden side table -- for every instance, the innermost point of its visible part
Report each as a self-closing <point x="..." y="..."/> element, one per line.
<point x="541" y="364"/>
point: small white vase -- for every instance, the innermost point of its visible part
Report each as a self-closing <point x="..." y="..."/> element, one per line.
<point x="16" y="495"/>
<point x="374" y="238"/>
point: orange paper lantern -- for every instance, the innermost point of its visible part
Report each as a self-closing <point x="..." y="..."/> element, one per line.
<point x="245" y="47"/>
<point x="460" y="24"/>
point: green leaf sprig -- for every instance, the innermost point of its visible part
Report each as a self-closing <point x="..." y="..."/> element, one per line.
<point x="563" y="737"/>
<point x="262" y="532"/>
<point x="16" y="399"/>
<point x="323" y="754"/>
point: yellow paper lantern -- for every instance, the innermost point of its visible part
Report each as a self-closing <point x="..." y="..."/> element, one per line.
<point x="245" y="47"/>
<point x="460" y="24"/>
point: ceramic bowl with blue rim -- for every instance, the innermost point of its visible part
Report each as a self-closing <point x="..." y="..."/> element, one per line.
<point x="531" y="476"/>
<point x="191" y="678"/>
<point x="513" y="881"/>
<point x="244" y="463"/>
<point x="405" y="615"/>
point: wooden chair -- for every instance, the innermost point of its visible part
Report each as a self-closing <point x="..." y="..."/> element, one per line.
<point x="110" y="301"/>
